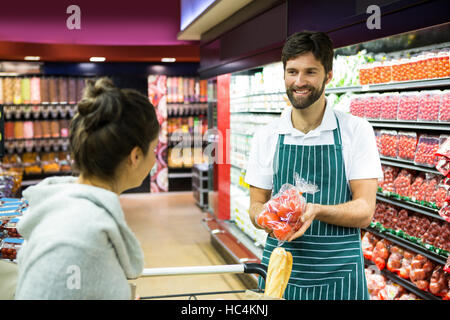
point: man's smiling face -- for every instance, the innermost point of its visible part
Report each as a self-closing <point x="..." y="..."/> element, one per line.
<point x="305" y="80"/>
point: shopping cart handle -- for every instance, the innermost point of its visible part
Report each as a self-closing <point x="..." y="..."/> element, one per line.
<point x="256" y="268"/>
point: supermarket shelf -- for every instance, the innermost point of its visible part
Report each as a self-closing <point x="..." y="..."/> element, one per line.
<point x="180" y="175"/>
<point x="418" y="125"/>
<point x="408" y="285"/>
<point x="407" y="165"/>
<point x="410" y="206"/>
<point x="413" y="84"/>
<point x="408" y="245"/>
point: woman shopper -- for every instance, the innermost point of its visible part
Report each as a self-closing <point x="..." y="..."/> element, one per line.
<point x="77" y="242"/>
<point x="331" y="149"/>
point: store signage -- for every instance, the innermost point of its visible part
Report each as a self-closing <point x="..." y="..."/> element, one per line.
<point x="74" y="20"/>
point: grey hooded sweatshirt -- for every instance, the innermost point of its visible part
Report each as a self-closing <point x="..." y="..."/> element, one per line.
<point x="77" y="244"/>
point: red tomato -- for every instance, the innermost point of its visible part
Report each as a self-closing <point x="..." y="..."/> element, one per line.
<point x="268" y="219"/>
<point x="282" y="231"/>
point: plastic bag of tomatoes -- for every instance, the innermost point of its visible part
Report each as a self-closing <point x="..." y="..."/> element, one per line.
<point x="282" y="213"/>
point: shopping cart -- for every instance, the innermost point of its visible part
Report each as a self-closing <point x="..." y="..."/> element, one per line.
<point x="247" y="268"/>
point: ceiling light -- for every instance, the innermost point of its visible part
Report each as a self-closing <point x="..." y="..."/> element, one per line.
<point x="97" y="59"/>
<point x="32" y="58"/>
<point x="168" y="60"/>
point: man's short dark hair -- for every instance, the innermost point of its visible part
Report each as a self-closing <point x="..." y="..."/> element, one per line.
<point x="318" y="43"/>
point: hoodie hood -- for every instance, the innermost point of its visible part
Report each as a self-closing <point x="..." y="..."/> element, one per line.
<point x="78" y="201"/>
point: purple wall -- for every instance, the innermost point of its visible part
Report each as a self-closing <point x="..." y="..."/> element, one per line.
<point x="130" y="22"/>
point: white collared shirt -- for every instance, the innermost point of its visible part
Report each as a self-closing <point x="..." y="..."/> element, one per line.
<point x="360" y="151"/>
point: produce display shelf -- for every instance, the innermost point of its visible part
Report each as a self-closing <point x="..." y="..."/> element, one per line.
<point x="408" y="245"/>
<point x="413" y="84"/>
<point x="418" y="125"/>
<point x="407" y="165"/>
<point x="410" y="206"/>
<point x="408" y="285"/>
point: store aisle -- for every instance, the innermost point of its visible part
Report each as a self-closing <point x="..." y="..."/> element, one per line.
<point x="169" y="229"/>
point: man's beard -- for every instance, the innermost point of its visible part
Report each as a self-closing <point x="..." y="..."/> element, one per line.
<point x="307" y="101"/>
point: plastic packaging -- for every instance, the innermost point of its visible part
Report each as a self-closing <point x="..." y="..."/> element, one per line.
<point x="408" y="106"/>
<point x="444" y="111"/>
<point x="375" y="281"/>
<point x="381" y="253"/>
<point x="357" y="106"/>
<point x="368" y="243"/>
<point x="421" y="271"/>
<point x="391" y="291"/>
<point x="282" y="213"/>
<point x="416" y="192"/>
<point x="378" y="139"/>
<point x="426" y="149"/>
<point x="389" y="143"/>
<point x="439" y="282"/>
<point x="389" y="175"/>
<point x="394" y="263"/>
<point x="8" y="228"/>
<point x="405" y="269"/>
<point x="443" y="154"/>
<point x="407" y="144"/>
<point x="372" y="106"/>
<point x="389" y="108"/>
<point x="9" y="248"/>
<point x="429" y="105"/>
<point x="402" y="183"/>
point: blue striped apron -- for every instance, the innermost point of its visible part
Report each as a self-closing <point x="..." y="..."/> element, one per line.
<point x="327" y="260"/>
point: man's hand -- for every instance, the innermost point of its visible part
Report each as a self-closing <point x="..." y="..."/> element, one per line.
<point x="307" y="218"/>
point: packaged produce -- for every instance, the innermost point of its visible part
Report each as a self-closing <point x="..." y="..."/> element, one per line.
<point x="391" y="291"/>
<point x="381" y="253"/>
<point x="416" y="192"/>
<point x="394" y="263"/>
<point x="405" y="269"/>
<point x="429" y="105"/>
<point x="278" y="272"/>
<point x="368" y="243"/>
<point x="402" y="183"/>
<point x="372" y="106"/>
<point x="430" y="236"/>
<point x="442" y="193"/>
<point x="443" y="155"/>
<point x="447" y="265"/>
<point x="408" y="106"/>
<point x="408" y="296"/>
<point x="375" y="281"/>
<point x="444" y="111"/>
<point x="426" y="149"/>
<point x="407" y="144"/>
<point x="366" y="74"/>
<point x="378" y="139"/>
<point x="439" y="282"/>
<point x="421" y="271"/>
<point x="389" y="175"/>
<point x="389" y="102"/>
<point x="444" y="212"/>
<point x="282" y="213"/>
<point x="357" y="106"/>
<point x="9" y="248"/>
<point x="389" y="143"/>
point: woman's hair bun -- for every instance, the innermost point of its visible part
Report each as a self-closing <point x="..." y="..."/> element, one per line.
<point x="101" y="103"/>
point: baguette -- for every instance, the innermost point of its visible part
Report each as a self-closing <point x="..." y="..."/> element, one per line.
<point x="278" y="272"/>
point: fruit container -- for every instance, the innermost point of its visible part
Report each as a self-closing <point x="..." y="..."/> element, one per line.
<point x="408" y="106"/>
<point x="366" y="74"/>
<point x="389" y="106"/>
<point x="444" y="111"/>
<point x="443" y="64"/>
<point x="402" y="183"/>
<point x="9" y="248"/>
<point x="372" y="106"/>
<point x="416" y="192"/>
<point x="376" y="72"/>
<point x="357" y="106"/>
<point x="396" y="69"/>
<point x="389" y="143"/>
<point x="425" y="153"/>
<point x="378" y="139"/>
<point x="386" y="71"/>
<point x="407" y="144"/>
<point x="429" y="105"/>
<point x="389" y="175"/>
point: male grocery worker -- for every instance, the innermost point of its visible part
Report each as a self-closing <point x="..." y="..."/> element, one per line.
<point x="332" y="149"/>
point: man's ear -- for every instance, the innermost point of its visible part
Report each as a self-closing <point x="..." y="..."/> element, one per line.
<point x="329" y="76"/>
